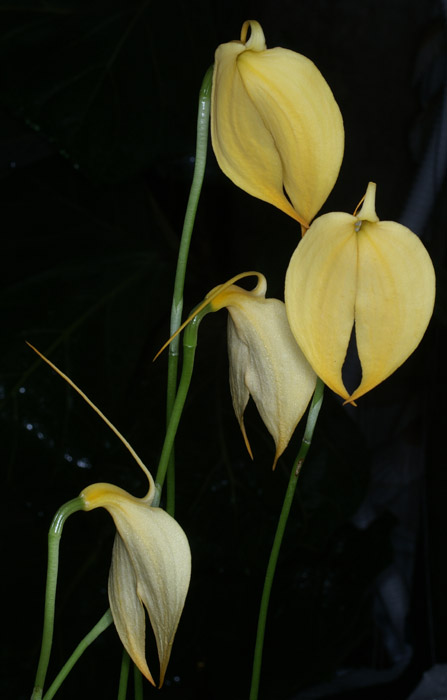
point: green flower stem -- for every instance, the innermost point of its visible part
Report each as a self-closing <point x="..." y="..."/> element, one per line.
<point x="105" y="621"/>
<point x="314" y="410"/>
<point x="124" y="675"/>
<point x="189" y="351"/>
<point x="188" y="225"/>
<point x="54" y="536"/>
<point x="138" y="683"/>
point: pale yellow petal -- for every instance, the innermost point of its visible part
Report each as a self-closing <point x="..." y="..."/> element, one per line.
<point x="244" y="147"/>
<point x="239" y="353"/>
<point x="300" y="112"/>
<point x="320" y="293"/>
<point x="127" y="609"/>
<point x="395" y="298"/>
<point x="275" y="125"/>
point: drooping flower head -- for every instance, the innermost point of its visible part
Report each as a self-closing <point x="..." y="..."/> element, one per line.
<point x="358" y="273"/>
<point x="151" y="560"/>
<point x="150" y="570"/>
<point x="265" y="361"/>
<point x="276" y="128"/>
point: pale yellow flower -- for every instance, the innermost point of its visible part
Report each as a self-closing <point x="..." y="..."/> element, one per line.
<point x="356" y="272"/>
<point x="151" y="569"/>
<point x="265" y="361"/>
<point x="151" y="560"/>
<point x="276" y="128"/>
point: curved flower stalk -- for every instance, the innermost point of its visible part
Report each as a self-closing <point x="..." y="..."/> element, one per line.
<point x="358" y="272"/>
<point x="275" y="124"/>
<point x="151" y="560"/>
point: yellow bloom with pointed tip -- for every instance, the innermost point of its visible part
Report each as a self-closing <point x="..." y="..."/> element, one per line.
<point x="151" y="569"/>
<point x="275" y="124"/>
<point x="265" y="361"/>
<point x="356" y="272"/>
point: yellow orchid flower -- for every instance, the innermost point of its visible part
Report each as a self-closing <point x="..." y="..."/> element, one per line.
<point x="356" y="272"/>
<point x="151" y="560"/>
<point x="151" y="568"/>
<point x="265" y="361"/>
<point x="276" y="129"/>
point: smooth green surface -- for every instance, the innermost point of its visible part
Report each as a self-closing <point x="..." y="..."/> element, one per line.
<point x="138" y="683"/>
<point x="105" y="622"/>
<point x="54" y="537"/>
<point x="124" y="676"/>
<point x="203" y="117"/>
<point x="189" y="350"/>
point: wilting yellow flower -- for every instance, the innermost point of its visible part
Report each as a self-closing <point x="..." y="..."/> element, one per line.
<point x="275" y="124"/>
<point x="151" y="568"/>
<point x="265" y="361"/>
<point x="358" y="272"/>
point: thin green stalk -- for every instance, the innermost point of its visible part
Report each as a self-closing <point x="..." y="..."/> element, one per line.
<point x="54" y="537"/>
<point x="188" y="225"/>
<point x="137" y="683"/>
<point x="189" y="351"/>
<point x="105" y="621"/>
<point x="314" y="410"/>
<point x="124" y="675"/>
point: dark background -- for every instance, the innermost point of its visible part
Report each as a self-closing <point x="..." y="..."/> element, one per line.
<point x="97" y="110"/>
